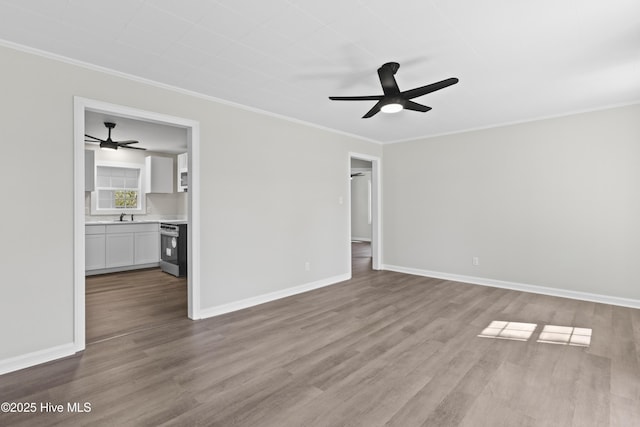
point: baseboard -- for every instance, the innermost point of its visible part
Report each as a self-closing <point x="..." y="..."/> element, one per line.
<point x="556" y="292"/>
<point x="119" y="269"/>
<point x="36" y="358"/>
<point x="272" y="296"/>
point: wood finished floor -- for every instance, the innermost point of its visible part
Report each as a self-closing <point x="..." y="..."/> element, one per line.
<point x="381" y="349"/>
<point x="123" y="303"/>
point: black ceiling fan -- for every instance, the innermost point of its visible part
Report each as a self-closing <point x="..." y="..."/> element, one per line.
<point x="393" y="100"/>
<point x="109" y="143"/>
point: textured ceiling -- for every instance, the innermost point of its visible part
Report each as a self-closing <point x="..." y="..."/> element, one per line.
<point x="516" y="60"/>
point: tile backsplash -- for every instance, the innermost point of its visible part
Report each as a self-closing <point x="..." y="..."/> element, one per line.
<point x="158" y="206"/>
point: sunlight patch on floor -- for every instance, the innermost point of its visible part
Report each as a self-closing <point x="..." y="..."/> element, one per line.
<point x="509" y="330"/>
<point x="550" y="334"/>
<point x="566" y="335"/>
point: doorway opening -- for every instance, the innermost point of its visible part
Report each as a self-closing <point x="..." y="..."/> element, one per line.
<point x="126" y="302"/>
<point x="82" y="107"/>
<point x="364" y="213"/>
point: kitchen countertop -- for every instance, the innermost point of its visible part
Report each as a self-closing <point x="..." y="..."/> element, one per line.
<point x="136" y="221"/>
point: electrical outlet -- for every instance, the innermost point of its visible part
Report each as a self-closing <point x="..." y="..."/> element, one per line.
<point x="475" y="260"/>
<point x="307" y="266"/>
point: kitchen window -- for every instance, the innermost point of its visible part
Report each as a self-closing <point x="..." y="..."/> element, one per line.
<point x="118" y="189"/>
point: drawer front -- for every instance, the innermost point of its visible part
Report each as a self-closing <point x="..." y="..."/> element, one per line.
<point x="146" y="227"/>
<point x="94" y="229"/>
<point x="132" y="228"/>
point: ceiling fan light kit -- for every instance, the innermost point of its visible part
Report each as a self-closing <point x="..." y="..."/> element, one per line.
<point x="109" y="143"/>
<point x="393" y="100"/>
<point x="391" y="108"/>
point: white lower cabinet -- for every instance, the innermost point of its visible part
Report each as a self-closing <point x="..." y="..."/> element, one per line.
<point x="116" y="247"/>
<point x="94" y="247"/>
<point x="119" y="249"/>
<point x="147" y="247"/>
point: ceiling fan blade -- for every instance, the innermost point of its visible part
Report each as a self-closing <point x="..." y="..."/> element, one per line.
<point x="410" y="105"/>
<point x="127" y="142"/>
<point x="357" y="98"/>
<point x="423" y="90"/>
<point x="93" y="138"/>
<point x="373" y="111"/>
<point x="386" y="72"/>
<point x="131" y="148"/>
<point x="393" y="99"/>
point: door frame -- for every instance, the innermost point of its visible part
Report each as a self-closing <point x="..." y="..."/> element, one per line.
<point x="80" y="106"/>
<point x="376" y="209"/>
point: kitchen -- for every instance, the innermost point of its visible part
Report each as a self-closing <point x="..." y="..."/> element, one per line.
<point x="136" y="210"/>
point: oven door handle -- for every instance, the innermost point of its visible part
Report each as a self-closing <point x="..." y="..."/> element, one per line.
<point x="169" y="233"/>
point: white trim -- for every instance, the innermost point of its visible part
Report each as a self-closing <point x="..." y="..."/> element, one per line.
<point x="272" y="296"/>
<point x="109" y="71"/>
<point x="193" y="230"/>
<point x="376" y="208"/>
<point x="369" y="202"/>
<point x="78" y="226"/>
<point x="556" y="292"/>
<point x="37" y="357"/>
<point x="193" y="135"/>
<point x="514" y="122"/>
<point x="112" y="72"/>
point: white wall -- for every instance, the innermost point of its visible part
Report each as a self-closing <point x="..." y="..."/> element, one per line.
<point x="553" y="203"/>
<point x="269" y="196"/>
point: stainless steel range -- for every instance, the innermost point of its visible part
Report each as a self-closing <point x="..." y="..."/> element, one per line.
<point x="173" y="248"/>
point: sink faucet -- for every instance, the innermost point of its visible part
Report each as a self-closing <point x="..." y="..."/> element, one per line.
<point x="131" y="217"/>
<point x="121" y="216"/>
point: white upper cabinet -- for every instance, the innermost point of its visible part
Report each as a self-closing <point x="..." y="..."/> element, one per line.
<point x="158" y="174"/>
<point x="183" y="172"/>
